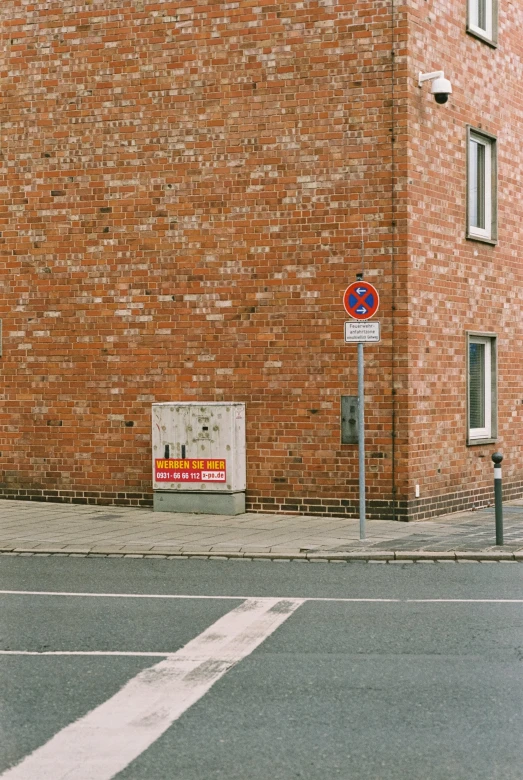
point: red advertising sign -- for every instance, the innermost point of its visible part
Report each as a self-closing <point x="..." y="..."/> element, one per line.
<point x="206" y="470"/>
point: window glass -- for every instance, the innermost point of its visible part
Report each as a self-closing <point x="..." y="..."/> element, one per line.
<point x="476" y="385"/>
<point x="477" y="184"/>
<point x="482" y="14"/>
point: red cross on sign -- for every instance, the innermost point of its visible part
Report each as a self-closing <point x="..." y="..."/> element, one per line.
<point x="361" y="300"/>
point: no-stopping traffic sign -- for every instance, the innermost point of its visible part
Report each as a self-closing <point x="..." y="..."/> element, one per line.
<point x="361" y="300"/>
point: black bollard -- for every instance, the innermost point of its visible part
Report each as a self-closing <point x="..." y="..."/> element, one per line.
<point x="498" y="497"/>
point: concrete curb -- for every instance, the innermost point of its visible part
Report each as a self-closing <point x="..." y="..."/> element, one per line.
<point x="383" y="556"/>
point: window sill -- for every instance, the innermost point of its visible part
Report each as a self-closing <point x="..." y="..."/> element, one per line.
<point x="490" y="241"/>
<point x="475" y="442"/>
<point x="484" y="38"/>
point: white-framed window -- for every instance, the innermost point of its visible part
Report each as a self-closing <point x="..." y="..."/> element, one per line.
<point x="481" y="186"/>
<point x="481" y="387"/>
<point x="482" y="19"/>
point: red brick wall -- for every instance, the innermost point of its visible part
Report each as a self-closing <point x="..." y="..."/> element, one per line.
<point x="455" y="284"/>
<point x="183" y="190"/>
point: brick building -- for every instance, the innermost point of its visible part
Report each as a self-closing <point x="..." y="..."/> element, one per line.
<point x="186" y="189"/>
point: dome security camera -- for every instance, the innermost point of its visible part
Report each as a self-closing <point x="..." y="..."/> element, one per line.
<point x="441" y="87"/>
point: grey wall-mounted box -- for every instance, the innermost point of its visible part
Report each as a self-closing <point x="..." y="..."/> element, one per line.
<point x="349" y="419"/>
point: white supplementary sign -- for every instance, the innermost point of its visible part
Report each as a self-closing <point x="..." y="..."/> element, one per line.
<point x="361" y="332"/>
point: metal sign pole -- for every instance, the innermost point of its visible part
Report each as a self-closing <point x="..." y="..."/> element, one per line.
<point x="361" y="438"/>
<point x="361" y="301"/>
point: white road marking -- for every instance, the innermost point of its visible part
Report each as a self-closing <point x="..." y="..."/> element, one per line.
<point x="84" y="652"/>
<point x="118" y="595"/>
<point x="107" y="739"/>
<point x="244" y="598"/>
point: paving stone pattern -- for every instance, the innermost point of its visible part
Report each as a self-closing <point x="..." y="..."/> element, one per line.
<point x="34" y="527"/>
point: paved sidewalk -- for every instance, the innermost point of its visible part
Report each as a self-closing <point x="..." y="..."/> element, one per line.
<point x="28" y="527"/>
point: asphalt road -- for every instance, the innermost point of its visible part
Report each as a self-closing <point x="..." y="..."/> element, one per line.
<point x="421" y="679"/>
